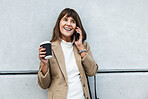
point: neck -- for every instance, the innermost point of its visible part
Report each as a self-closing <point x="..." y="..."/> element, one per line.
<point x="67" y="39"/>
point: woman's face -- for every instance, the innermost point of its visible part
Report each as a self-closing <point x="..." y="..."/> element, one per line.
<point x="67" y="27"/>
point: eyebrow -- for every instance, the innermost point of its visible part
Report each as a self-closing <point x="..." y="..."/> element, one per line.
<point x="67" y="18"/>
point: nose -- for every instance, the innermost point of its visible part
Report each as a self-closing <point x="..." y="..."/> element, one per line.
<point x="68" y="23"/>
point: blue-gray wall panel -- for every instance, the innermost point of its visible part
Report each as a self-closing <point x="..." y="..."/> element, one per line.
<point x="21" y="87"/>
<point x="117" y="31"/>
<point x="122" y="86"/>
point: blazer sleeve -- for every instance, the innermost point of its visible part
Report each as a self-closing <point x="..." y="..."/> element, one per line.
<point x="44" y="80"/>
<point x="88" y="62"/>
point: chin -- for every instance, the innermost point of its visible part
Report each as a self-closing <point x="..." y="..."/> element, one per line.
<point x="68" y="34"/>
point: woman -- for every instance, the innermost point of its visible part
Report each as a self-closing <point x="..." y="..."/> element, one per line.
<point x="65" y="73"/>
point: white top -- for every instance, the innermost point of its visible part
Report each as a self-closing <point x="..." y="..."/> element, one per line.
<point x="75" y="90"/>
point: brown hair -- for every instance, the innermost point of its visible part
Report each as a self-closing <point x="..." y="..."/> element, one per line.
<point x="56" y="35"/>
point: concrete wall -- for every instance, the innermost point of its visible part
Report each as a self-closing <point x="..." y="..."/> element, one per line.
<point x="122" y="85"/>
<point x="21" y="87"/>
<point x="117" y="33"/>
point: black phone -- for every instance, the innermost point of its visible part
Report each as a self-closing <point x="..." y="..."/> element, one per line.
<point x="76" y="36"/>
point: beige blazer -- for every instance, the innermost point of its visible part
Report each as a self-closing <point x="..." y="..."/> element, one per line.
<point x="56" y="78"/>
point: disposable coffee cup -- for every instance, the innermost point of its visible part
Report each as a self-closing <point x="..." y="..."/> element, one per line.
<point x="47" y="46"/>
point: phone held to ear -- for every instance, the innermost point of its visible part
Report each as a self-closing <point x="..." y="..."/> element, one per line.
<point x="76" y="36"/>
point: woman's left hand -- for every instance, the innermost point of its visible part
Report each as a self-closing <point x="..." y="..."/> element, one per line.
<point x="79" y="41"/>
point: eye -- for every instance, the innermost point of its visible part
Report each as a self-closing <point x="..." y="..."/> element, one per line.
<point x="65" y="19"/>
<point x="73" y="21"/>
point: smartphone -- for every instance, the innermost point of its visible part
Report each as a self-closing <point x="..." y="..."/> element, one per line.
<point x="76" y="36"/>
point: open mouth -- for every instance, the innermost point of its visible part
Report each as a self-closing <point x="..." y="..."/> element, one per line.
<point x="68" y="29"/>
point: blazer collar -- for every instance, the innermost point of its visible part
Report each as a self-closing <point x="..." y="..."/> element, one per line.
<point x="78" y="59"/>
<point x="57" y="50"/>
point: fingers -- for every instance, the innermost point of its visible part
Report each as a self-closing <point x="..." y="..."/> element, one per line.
<point x="41" y="49"/>
<point x="41" y="56"/>
<point x="42" y="52"/>
<point x="79" y="30"/>
<point x="74" y="38"/>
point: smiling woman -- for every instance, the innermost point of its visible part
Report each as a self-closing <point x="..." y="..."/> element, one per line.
<point x="65" y="74"/>
<point x="67" y="28"/>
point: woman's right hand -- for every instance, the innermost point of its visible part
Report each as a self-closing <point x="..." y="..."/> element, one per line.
<point x="42" y="53"/>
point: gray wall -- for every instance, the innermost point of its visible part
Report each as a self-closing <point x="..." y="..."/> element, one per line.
<point x="116" y="32"/>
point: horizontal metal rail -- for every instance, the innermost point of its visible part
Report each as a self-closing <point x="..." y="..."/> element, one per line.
<point x="27" y="72"/>
<point x="122" y="70"/>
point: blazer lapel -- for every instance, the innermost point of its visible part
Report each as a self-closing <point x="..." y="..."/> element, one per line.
<point x="78" y="60"/>
<point x="57" y="50"/>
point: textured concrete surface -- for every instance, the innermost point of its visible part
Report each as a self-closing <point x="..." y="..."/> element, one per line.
<point x="122" y="86"/>
<point x="117" y="31"/>
<point x="21" y="87"/>
<point x="117" y="34"/>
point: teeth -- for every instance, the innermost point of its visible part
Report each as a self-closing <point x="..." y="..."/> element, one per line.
<point x="68" y="29"/>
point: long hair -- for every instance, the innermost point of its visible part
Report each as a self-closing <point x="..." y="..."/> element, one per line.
<point x="56" y="35"/>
